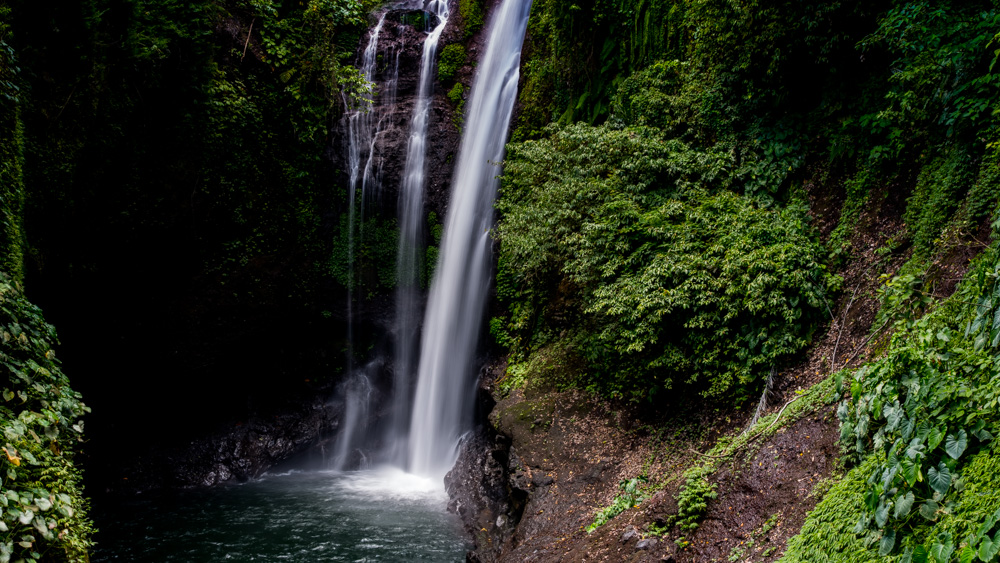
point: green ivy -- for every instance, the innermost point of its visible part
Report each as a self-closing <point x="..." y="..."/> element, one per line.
<point x="473" y="16"/>
<point x="693" y="498"/>
<point x="44" y="513"/>
<point x="921" y="413"/>
<point x="631" y="495"/>
<point x="676" y="280"/>
<point x="452" y="58"/>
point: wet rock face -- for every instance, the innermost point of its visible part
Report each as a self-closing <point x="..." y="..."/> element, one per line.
<point x="252" y="448"/>
<point x="399" y="51"/>
<point x="484" y="494"/>
<point x="242" y="452"/>
<point x="487" y="487"/>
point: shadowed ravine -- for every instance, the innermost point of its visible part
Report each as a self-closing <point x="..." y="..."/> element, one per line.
<point x="379" y="494"/>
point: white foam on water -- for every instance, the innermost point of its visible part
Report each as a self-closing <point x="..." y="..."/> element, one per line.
<point x="391" y="484"/>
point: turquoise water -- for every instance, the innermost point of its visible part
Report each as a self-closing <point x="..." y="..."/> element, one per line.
<point x="376" y="515"/>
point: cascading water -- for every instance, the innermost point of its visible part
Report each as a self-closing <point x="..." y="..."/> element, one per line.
<point x="381" y="513"/>
<point x="408" y="258"/>
<point x="364" y="126"/>
<point x="367" y="121"/>
<point x="356" y="392"/>
<point x="442" y="408"/>
<point x="361" y="134"/>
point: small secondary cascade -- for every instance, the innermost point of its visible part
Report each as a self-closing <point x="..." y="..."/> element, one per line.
<point x="408" y="258"/>
<point x="357" y="394"/>
<point x="442" y="408"/>
<point x="364" y="126"/>
<point x="363" y="129"/>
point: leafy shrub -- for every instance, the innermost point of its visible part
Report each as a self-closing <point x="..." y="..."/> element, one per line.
<point x="630" y="496"/>
<point x="921" y="413"/>
<point x="692" y="500"/>
<point x="44" y="513"/>
<point x="944" y="56"/>
<point x="452" y="59"/>
<point x="941" y="187"/>
<point x="473" y="16"/>
<point x="827" y="532"/>
<point x="675" y="280"/>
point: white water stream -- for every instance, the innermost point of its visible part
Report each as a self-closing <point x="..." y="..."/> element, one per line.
<point x="443" y="405"/>
<point x="411" y="243"/>
<point x="364" y="125"/>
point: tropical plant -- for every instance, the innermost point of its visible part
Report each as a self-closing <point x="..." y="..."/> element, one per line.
<point x="44" y="513"/>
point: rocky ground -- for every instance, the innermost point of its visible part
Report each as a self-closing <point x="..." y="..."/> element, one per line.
<point x="562" y="454"/>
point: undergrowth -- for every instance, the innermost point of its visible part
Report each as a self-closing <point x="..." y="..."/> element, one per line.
<point x="698" y="489"/>
<point x="44" y="514"/>
<point x="631" y="496"/>
<point x="920" y="423"/>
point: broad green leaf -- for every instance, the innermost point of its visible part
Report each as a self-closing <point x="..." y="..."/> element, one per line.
<point x="967" y="555"/>
<point x="909" y="471"/>
<point x="988" y="524"/>
<point x="846" y="430"/>
<point x="939" y="478"/>
<point x="941" y="552"/>
<point x="980" y="342"/>
<point x="892" y="415"/>
<point x="980" y="431"/>
<point x="881" y="514"/>
<point x="908" y="427"/>
<point x="889" y="475"/>
<point x="934" y="438"/>
<point x="929" y="510"/>
<point x="914" y="449"/>
<point x="860" y="526"/>
<point x="903" y="505"/>
<point x="871" y="498"/>
<point x="887" y="542"/>
<point x="955" y="444"/>
<point x="987" y="549"/>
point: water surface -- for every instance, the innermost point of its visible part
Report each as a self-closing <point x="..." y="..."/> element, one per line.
<point x="375" y="515"/>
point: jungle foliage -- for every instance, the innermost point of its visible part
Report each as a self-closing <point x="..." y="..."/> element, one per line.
<point x="11" y="155"/>
<point x="604" y="235"/>
<point x="204" y="124"/>
<point x="920" y="422"/>
<point x="44" y="515"/>
<point x="662" y="274"/>
<point x="152" y="153"/>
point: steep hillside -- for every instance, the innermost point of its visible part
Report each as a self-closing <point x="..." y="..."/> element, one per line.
<point x="735" y="298"/>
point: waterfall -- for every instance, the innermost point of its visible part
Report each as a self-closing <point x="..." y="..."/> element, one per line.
<point x="443" y="404"/>
<point x="356" y="392"/>
<point x="411" y="224"/>
<point x="362" y="130"/>
<point x="364" y="125"/>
